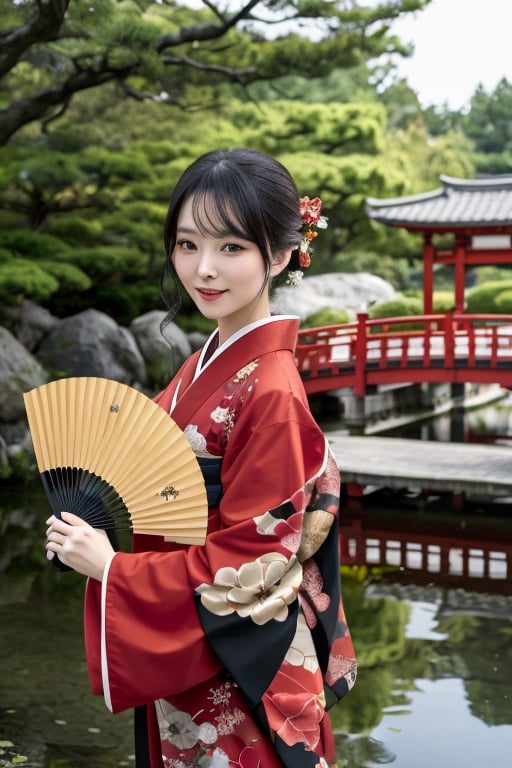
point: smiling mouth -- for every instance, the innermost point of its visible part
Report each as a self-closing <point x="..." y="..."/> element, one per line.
<point x="209" y="292"/>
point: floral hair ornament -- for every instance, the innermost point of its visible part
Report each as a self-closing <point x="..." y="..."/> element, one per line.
<point x="310" y="212"/>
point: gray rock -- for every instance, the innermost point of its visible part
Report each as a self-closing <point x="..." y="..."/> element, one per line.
<point x="19" y="372"/>
<point x="163" y="354"/>
<point x="28" y="322"/>
<point x="92" y="344"/>
<point x="339" y="290"/>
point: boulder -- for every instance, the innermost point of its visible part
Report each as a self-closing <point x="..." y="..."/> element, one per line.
<point x="339" y="290"/>
<point x="163" y="353"/>
<point x="19" y="372"/>
<point x="28" y="322"/>
<point x="92" y="344"/>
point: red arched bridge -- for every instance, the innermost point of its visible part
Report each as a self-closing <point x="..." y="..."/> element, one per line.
<point x="435" y="348"/>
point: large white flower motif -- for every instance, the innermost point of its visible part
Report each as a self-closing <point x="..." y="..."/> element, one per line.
<point x="262" y="589"/>
<point x="184" y="733"/>
<point x="179" y="728"/>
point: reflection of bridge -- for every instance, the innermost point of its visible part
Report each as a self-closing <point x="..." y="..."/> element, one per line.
<point x="445" y="552"/>
<point x="439" y="348"/>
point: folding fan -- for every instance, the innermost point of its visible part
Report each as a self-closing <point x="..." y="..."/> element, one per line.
<point x="111" y="455"/>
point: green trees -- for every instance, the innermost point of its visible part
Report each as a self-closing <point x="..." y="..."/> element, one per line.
<point x="170" y="53"/>
<point x="487" y="125"/>
<point x="101" y="108"/>
<point x="104" y="107"/>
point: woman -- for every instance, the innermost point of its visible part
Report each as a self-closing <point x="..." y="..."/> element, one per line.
<point x="230" y="652"/>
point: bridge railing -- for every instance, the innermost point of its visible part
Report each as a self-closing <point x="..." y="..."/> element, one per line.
<point x="482" y="561"/>
<point x="425" y="342"/>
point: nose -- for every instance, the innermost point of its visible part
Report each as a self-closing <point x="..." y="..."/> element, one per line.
<point x="206" y="267"/>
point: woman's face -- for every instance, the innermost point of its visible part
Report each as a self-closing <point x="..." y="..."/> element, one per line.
<point x="222" y="273"/>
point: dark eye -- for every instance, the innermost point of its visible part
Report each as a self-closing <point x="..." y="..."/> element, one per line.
<point x="232" y="248"/>
<point x="186" y="245"/>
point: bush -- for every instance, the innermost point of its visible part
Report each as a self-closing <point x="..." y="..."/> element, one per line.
<point x="126" y="301"/>
<point x="484" y="299"/>
<point x="70" y="278"/>
<point x="32" y="244"/>
<point x="504" y="302"/>
<point x="444" y="301"/>
<point x="406" y="306"/>
<point x="21" y="279"/>
<point x="109" y="262"/>
<point x="325" y="316"/>
<point x="401" y="307"/>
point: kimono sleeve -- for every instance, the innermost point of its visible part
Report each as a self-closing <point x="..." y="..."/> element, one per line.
<point x="162" y="622"/>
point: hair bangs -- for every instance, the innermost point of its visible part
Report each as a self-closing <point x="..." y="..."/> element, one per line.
<point x="221" y="211"/>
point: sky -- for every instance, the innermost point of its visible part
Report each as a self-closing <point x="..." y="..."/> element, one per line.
<point x="458" y="44"/>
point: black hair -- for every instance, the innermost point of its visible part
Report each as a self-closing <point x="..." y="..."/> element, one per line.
<point x="253" y="196"/>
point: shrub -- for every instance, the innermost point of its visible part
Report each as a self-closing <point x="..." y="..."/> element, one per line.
<point x="400" y="307"/>
<point x="444" y="301"/>
<point x="405" y="306"/>
<point x="70" y="278"/>
<point x="32" y="244"/>
<point x="325" y="316"/>
<point x="21" y="279"/>
<point x="484" y="298"/>
<point x="504" y="302"/>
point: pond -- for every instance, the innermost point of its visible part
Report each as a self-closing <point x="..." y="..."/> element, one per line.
<point x="434" y="687"/>
<point x="490" y="423"/>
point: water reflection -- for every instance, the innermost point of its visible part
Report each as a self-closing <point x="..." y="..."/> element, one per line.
<point x="47" y="713"/>
<point x="434" y="683"/>
<point x="436" y="694"/>
<point x="487" y="424"/>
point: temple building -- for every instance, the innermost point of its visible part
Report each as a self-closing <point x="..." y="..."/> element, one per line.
<point x="476" y="212"/>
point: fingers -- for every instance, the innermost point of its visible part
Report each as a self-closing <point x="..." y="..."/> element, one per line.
<point x="67" y="517"/>
<point x="58" y="531"/>
<point x="54" y="538"/>
<point x="78" y="545"/>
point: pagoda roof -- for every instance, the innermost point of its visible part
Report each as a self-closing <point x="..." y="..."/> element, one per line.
<point x="482" y="204"/>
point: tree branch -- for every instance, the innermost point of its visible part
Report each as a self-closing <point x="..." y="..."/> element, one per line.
<point x="206" y="31"/>
<point x="233" y="74"/>
<point x="42" y="27"/>
<point x="34" y="107"/>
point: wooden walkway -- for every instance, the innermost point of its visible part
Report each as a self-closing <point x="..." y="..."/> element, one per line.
<point x="426" y="465"/>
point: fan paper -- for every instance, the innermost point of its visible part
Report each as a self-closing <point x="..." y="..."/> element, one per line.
<point x="107" y="452"/>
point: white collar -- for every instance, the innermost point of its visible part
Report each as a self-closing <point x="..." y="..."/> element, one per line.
<point x="202" y="365"/>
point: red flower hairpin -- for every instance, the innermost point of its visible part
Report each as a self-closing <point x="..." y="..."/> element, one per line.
<point x="310" y="211"/>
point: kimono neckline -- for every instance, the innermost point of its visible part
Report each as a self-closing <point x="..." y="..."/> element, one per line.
<point x="229" y="357"/>
<point x="205" y="359"/>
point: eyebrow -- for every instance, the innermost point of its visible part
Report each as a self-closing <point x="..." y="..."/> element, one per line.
<point x="187" y="230"/>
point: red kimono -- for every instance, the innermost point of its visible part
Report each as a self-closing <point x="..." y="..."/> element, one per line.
<point x="234" y="649"/>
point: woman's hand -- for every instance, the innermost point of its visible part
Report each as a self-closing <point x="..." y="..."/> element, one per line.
<point x="78" y="545"/>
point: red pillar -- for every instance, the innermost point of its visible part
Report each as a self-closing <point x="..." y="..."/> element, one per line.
<point x="360" y="355"/>
<point x="460" y="276"/>
<point x="428" y="275"/>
